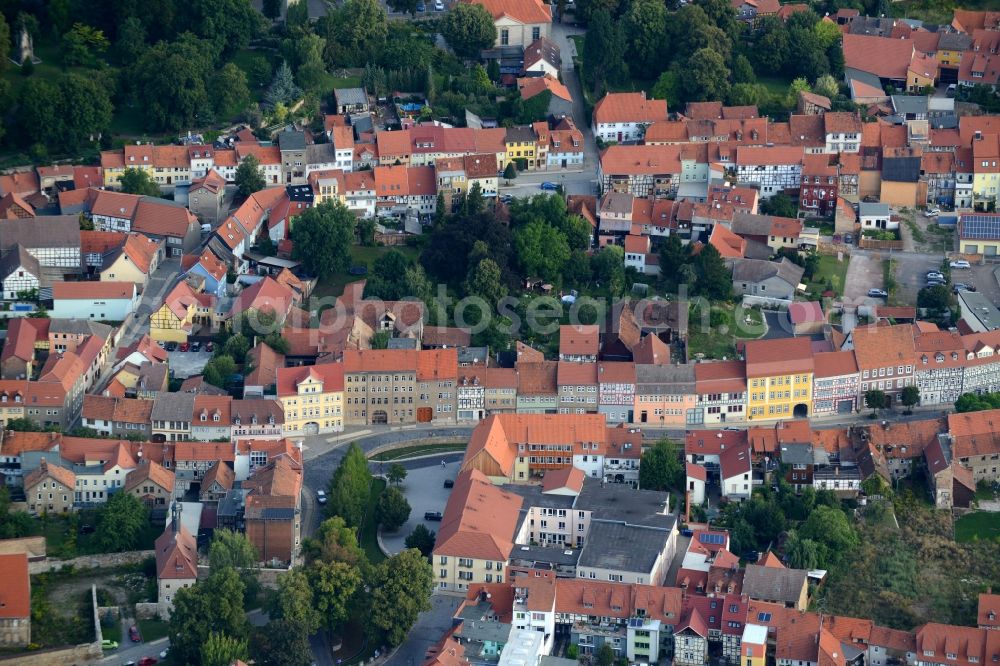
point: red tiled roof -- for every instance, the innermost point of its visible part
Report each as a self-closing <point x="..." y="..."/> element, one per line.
<point x="631" y="107"/>
<point x="15" y="587"/>
<point x="884" y="57"/>
<point x="479" y="521"/>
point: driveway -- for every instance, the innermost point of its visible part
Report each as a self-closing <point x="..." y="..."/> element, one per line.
<point x="911" y="274"/>
<point x="425" y="491"/>
<point x="159" y="283"/>
<point x="778" y="325"/>
<point x="187" y="364"/>
<point x="864" y="272"/>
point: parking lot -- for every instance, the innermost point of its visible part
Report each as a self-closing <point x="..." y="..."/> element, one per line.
<point x="982" y="277"/>
<point x="911" y="275"/>
<point x="863" y="273"/>
<point x="186" y="364"/>
<point x="425" y="491"/>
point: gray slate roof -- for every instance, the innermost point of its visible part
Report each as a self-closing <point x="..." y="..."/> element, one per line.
<point x="621" y="547"/>
<point x="173" y="407"/>
<point x="18" y="257"/>
<point x="746" y="224"/>
<point x="773" y="584"/>
<point x="756" y="270"/>
<point x="291" y="140"/>
<point x="350" y="96"/>
<point x="40" y="231"/>
<point x="678" y="377"/>
<point x="321" y="153"/>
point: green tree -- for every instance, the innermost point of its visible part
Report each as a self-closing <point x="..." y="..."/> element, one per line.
<point x="605" y="655"/>
<point x="63" y="114"/>
<point x="221" y="650"/>
<point x="283" y="88"/>
<point x="232" y="95"/>
<point x="404" y="6"/>
<point x="771" y="49"/>
<point x="779" y="204"/>
<point x="396" y="473"/>
<point x="350" y="487"/>
<point x="354" y="33"/>
<point x="334" y="541"/>
<point x="801" y="553"/>
<point x="486" y="282"/>
<point x="334" y="585"/>
<point x="827" y="86"/>
<point x="83" y="45"/>
<point x="234" y="550"/>
<point x="706" y="76"/>
<point x="131" y="41"/>
<point x="170" y="79"/>
<point x="468" y="29"/>
<point x="401" y="589"/>
<point x="743" y="70"/>
<point x="120" y="523"/>
<point x="248" y="177"/>
<point x="293" y="602"/>
<point x="236" y="346"/>
<point x="608" y="268"/>
<point x="833" y="534"/>
<point x="229" y="23"/>
<point x="5" y="44"/>
<point x="392" y="509"/>
<point x="281" y="642"/>
<point x="603" y="52"/>
<point x="714" y="279"/>
<point x="509" y="172"/>
<point x="271" y="9"/>
<point x="323" y="236"/>
<point x="541" y="249"/>
<point x="138" y="181"/>
<point x="646" y="26"/>
<point x="218" y="371"/>
<point x="660" y="467"/>
<point x="212" y="605"/>
<point x="910" y="396"/>
<point x="422" y="539"/>
<point x="380" y="340"/>
<point x="16" y="524"/>
<point x="875" y="400"/>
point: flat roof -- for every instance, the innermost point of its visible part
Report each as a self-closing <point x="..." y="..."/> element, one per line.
<point x="621" y="547"/>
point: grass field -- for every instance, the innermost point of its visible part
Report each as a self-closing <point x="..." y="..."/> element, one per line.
<point x="718" y="339"/>
<point x="418" y="450"/>
<point x="152" y="630"/>
<point x="360" y="256"/>
<point x="979" y="525"/>
<point x="831" y="270"/>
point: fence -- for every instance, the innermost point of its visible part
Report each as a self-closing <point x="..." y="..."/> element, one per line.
<point x="872" y="244"/>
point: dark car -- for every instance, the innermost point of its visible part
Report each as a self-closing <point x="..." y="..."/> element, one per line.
<point x="147" y="661"/>
<point x="687" y="533"/>
<point x="449" y="483"/>
<point x="550" y="186"/>
<point x="195" y="346"/>
<point x="171" y="346"/>
<point x="433" y="515"/>
<point x="133" y="634"/>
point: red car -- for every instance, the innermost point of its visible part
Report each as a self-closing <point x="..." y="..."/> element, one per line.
<point x="185" y="346"/>
<point x="147" y="661"/>
<point x="133" y="634"/>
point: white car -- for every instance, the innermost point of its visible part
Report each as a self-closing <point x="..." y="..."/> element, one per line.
<point x="932" y="212"/>
<point x="960" y="263"/>
<point x="321" y="496"/>
<point x="438" y="6"/>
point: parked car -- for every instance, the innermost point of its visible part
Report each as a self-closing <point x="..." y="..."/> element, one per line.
<point x="849" y="239"/>
<point x="548" y="185"/>
<point x="932" y="212"/>
<point x="421" y="7"/>
<point x="163" y="345"/>
<point x="687" y="533"/>
<point x="963" y="286"/>
<point x="147" y="661"/>
<point x="433" y="515"/>
<point x="209" y="346"/>
<point x="449" y="483"/>
<point x="935" y="275"/>
<point x="109" y="644"/>
<point x="133" y="634"/>
<point x="506" y="198"/>
<point x="935" y="283"/>
<point x="438" y="6"/>
<point x="952" y="88"/>
<point x="171" y="346"/>
<point x="321" y="497"/>
<point x="877" y="293"/>
<point x="185" y="346"/>
<point x="195" y="346"/>
<point x="960" y="263"/>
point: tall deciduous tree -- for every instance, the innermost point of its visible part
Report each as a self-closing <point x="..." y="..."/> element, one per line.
<point x="5" y="44"/>
<point x="333" y="587"/>
<point x="222" y="650"/>
<point x="392" y="509"/>
<point x="714" y="279"/>
<point x="170" y="80"/>
<point x="323" y="236"/>
<point x="138" y="181"/>
<point x="271" y="9"/>
<point x="875" y="400"/>
<point x="660" y="467"/>
<point x="214" y="604"/>
<point x="645" y="30"/>
<point x="248" y="177"/>
<point x="468" y="28"/>
<point x="334" y="541"/>
<point x="422" y="539"/>
<point x="396" y="473"/>
<point x="603" y="51"/>
<point x="293" y="602"/>
<point x="401" y="590"/>
<point x="350" y="487"/>
<point x="231" y="94"/>
<point x="706" y="76"/>
<point x="486" y="282"/>
<point x="541" y="249"/>
<point x="234" y="550"/>
<point x="229" y="23"/>
<point x="83" y="45"/>
<point x="120" y="522"/>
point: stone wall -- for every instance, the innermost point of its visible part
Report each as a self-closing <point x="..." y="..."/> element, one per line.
<point x="453" y="439"/>
<point x="149" y="611"/>
<point x="70" y="656"/>
<point x="105" y="561"/>
<point x="267" y="577"/>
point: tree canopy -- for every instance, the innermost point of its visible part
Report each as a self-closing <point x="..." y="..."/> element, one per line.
<point x="349" y="487"/>
<point x="120" y="522"/>
<point x="660" y="467"/>
<point x="392" y="509"/>
<point x="323" y="236"/>
<point x="468" y="28"/>
<point x="401" y="589"/>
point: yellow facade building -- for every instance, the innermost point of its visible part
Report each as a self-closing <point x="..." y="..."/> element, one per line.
<point x="779" y="379"/>
<point x="312" y="398"/>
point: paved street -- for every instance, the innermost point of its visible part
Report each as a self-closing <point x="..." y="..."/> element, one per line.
<point x="430" y="627"/>
<point x="425" y="491"/>
<point x="159" y="284"/>
<point x="864" y="272"/>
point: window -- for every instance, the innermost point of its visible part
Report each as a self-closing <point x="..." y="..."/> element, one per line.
<point x="536" y="33"/>
<point x="504" y="37"/>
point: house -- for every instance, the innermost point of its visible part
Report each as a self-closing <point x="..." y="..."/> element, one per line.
<point x="151" y="483"/>
<point x="211" y="418"/>
<point x="117" y="417"/>
<point x="751" y="11"/>
<point x="206" y="196"/>
<point x="979" y="233"/>
<point x="788" y="587"/>
<point x="542" y="58"/>
<point x="134" y="261"/>
<point x="766" y="281"/>
<point x="518" y="22"/>
<point x="20" y="273"/>
<point x="105" y="301"/>
<point x="773" y="168"/>
<point x="876" y="216"/>
<point x="292" y="147"/>
<point x="836" y="383"/>
<point x="211" y="269"/>
<point x="818" y="192"/>
<point x="721" y="390"/>
<point x="735" y="473"/>
<point x="260" y="418"/>
<point x="218" y="481"/>
<point x="262" y="379"/>
<point x="54" y="240"/>
<point x="623" y="117"/>
<point x="169" y="222"/>
<point x="112" y="211"/>
<point x="176" y="560"/>
<point x="15" y="601"/>
<point x="351" y="100"/>
<point x="806" y="318"/>
<point x="579" y="343"/>
<point x="312" y="398"/>
<point x="901" y="185"/>
<point x="13" y="206"/>
<point x="477" y="533"/>
<point x="974" y="442"/>
<point x="171" y="417"/>
<point x="273" y="510"/>
<point x="697" y="477"/>
<point x="886" y="358"/>
<point x="665" y="394"/>
<point x="49" y="489"/>
<point x="779" y="378"/>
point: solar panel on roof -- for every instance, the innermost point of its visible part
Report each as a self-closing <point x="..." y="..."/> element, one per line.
<point x="981" y="227"/>
<point x="712" y="539"/>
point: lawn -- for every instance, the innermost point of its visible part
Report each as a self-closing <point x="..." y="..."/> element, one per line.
<point x="716" y="338"/>
<point x="776" y="85"/>
<point x="418" y="450"/>
<point x="977" y="526"/>
<point x="830" y="275"/>
<point x="360" y="256"/>
<point x="152" y="630"/>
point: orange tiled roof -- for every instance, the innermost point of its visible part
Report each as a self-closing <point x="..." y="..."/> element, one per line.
<point x="479" y="521"/>
<point x="153" y="472"/>
<point x="16" y="586"/>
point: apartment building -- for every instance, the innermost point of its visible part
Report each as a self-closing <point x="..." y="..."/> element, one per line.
<point x="665" y="395"/>
<point x="616" y="384"/>
<point x="312" y="398"/>
<point x="577" y="383"/>
<point x="836" y="383"/>
<point x="885" y="356"/>
<point x="721" y="390"/>
<point x="779" y="378"/>
<point x="624" y="117"/>
<point x="939" y="366"/>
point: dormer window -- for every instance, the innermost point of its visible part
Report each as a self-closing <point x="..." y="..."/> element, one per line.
<point x="237" y="420"/>
<point x="215" y="417"/>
